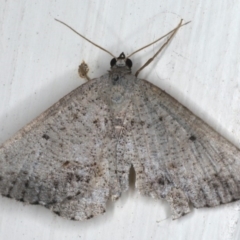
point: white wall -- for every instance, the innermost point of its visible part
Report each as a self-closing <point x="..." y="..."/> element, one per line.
<point x="201" y="68"/>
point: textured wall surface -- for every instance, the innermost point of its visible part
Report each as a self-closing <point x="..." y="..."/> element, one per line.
<point x="200" y="68"/>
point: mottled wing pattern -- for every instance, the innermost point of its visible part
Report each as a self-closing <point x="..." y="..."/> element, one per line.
<point x="179" y="157"/>
<point x="77" y="154"/>
<point x="63" y="159"/>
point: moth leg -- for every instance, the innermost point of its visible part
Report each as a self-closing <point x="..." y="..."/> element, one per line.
<point x="83" y="70"/>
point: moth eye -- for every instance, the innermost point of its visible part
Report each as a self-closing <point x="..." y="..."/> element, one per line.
<point x="113" y="62"/>
<point x="129" y="63"/>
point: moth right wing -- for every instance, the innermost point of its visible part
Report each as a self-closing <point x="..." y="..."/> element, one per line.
<point x="179" y="157"/>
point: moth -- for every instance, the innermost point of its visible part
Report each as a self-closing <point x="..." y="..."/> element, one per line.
<point x="77" y="155"/>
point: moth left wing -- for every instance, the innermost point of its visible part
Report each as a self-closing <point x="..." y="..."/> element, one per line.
<point x="61" y="159"/>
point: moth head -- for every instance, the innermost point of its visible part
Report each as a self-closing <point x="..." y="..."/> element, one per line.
<point x="124" y="62"/>
<point x="121" y="61"/>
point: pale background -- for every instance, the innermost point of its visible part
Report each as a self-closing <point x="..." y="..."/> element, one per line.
<point x="201" y="68"/>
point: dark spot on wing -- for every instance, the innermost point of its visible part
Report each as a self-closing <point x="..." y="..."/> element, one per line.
<point x="65" y="164"/>
<point x="160" y="181"/>
<point x="69" y="197"/>
<point x="45" y="136"/>
<point x="192" y="138"/>
<point x="172" y="165"/>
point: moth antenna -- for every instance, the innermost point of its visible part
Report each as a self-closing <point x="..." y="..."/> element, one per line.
<point x="173" y="32"/>
<point x="96" y="45"/>
<point x="157" y="40"/>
